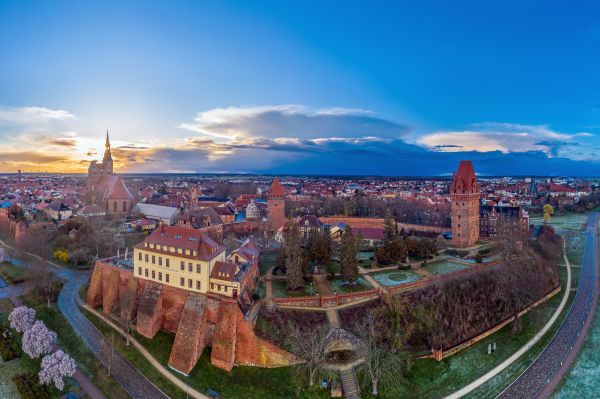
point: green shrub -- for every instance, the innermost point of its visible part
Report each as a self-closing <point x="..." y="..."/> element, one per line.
<point x="29" y="387"/>
<point x="9" y="348"/>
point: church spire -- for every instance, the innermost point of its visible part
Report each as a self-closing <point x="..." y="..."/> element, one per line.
<point x="107" y="154"/>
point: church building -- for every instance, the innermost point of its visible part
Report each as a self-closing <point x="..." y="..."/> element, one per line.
<point x="105" y="188"/>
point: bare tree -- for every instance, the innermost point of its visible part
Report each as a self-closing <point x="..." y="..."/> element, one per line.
<point x="128" y="304"/>
<point x="107" y="352"/>
<point x="310" y="346"/>
<point x="511" y="242"/>
<point x="382" y="364"/>
<point x="44" y="280"/>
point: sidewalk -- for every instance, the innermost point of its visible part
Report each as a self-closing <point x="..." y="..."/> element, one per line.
<point x="144" y="352"/>
<point x="502" y="366"/>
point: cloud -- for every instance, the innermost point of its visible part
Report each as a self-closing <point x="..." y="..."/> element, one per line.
<point x="62" y="142"/>
<point x="291" y="120"/>
<point x="28" y="115"/>
<point x="504" y="137"/>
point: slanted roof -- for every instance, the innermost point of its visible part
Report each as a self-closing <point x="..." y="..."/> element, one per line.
<point x="276" y="189"/>
<point x="155" y="211"/>
<point x="369" y="233"/>
<point x="224" y="271"/>
<point x="181" y="237"/>
<point x="464" y="178"/>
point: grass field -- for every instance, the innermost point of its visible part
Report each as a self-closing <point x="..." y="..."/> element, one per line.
<point x="570" y="221"/>
<point x="11" y="273"/>
<point x="279" y="290"/>
<point x="241" y="382"/>
<point x="71" y="343"/>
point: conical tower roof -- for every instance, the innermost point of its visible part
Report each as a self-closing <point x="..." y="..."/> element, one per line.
<point x="276" y="189"/>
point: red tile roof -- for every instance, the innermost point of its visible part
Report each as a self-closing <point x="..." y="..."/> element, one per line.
<point x="179" y="237"/>
<point x="276" y="189"/>
<point x="223" y="271"/>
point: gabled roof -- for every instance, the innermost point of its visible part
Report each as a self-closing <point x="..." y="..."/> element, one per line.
<point x="224" y="271"/>
<point x="180" y="237"/>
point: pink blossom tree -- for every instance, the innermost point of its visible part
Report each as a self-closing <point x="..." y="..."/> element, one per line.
<point x="21" y="318"/>
<point x="38" y="340"/>
<point x="55" y="367"/>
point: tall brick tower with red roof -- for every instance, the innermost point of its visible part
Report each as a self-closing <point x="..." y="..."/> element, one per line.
<point x="276" y="205"/>
<point x="465" y="194"/>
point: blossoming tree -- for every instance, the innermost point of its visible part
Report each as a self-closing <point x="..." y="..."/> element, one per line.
<point x="55" y="367"/>
<point x="38" y="340"/>
<point x="21" y="318"/>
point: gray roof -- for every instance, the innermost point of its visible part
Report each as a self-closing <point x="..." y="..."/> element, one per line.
<point x="155" y="211"/>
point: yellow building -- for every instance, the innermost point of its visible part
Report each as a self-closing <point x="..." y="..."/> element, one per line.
<point x="179" y="257"/>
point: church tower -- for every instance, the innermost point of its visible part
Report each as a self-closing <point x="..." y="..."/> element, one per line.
<point x="107" y="159"/>
<point x="465" y="194"/>
<point x="98" y="169"/>
<point x="276" y="205"/>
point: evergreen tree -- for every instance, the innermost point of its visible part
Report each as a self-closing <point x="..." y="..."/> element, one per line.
<point x="390" y="227"/>
<point x="322" y="248"/>
<point x="294" y="262"/>
<point x="348" y="255"/>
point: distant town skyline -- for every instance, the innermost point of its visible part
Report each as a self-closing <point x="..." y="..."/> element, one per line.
<point x="290" y="88"/>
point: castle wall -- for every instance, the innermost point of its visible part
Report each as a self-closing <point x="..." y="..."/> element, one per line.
<point x="219" y="324"/>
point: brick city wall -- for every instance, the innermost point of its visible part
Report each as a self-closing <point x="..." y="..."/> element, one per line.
<point x="378" y="223"/>
<point x="220" y="324"/>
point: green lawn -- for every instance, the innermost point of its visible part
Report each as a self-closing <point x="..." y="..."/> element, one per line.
<point x="280" y="291"/>
<point x="431" y="379"/>
<point x="11" y="273"/>
<point x="241" y="382"/>
<point x="71" y="343"/>
<point x="570" y="221"/>
<point x="334" y="267"/>
<point x="337" y="285"/>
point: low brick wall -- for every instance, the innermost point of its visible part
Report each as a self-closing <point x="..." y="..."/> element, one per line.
<point x="378" y="222"/>
<point x="328" y="301"/>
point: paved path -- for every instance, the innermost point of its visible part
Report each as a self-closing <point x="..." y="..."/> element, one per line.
<point x="83" y="380"/>
<point x="134" y="382"/>
<point x="544" y="374"/>
<point x="502" y="366"/>
<point x="144" y="352"/>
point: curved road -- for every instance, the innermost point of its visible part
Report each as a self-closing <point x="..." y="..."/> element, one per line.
<point x="134" y="382"/>
<point x="539" y="379"/>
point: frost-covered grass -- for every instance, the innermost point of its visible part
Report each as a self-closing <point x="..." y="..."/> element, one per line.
<point x="443" y="267"/>
<point x="582" y="378"/>
<point x="570" y="221"/>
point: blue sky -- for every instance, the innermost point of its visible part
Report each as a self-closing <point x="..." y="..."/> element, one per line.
<point x="345" y="87"/>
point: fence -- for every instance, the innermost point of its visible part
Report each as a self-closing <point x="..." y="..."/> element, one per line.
<point x="329" y="301"/>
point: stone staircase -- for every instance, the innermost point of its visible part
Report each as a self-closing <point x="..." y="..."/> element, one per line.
<point x="349" y="384"/>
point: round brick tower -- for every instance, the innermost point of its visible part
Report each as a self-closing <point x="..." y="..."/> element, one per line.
<point x="276" y="205"/>
<point x="465" y="194"/>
